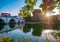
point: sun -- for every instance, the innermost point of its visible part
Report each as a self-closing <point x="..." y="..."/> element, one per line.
<point x="48" y="15"/>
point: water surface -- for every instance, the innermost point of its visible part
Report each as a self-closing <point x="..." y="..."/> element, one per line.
<point x="28" y="32"/>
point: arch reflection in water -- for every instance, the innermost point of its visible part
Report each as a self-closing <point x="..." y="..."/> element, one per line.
<point x="7" y="28"/>
<point x="18" y="22"/>
<point x="1" y="27"/>
<point x="12" y="23"/>
<point x="2" y="23"/>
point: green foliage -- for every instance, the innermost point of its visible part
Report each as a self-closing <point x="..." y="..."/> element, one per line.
<point x="52" y="33"/>
<point x="37" y="29"/>
<point x="56" y="24"/>
<point x="37" y="16"/>
<point x="27" y="28"/>
<point x="50" y="7"/>
<point x="28" y="19"/>
<point x="58" y="1"/>
<point x="42" y="6"/>
<point x="27" y="40"/>
<point x="43" y="1"/>
<point x="28" y="8"/>
<point x="17" y="39"/>
<point x="58" y="33"/>
<point x="31" y="2"/>
<point x="6" y="39"/>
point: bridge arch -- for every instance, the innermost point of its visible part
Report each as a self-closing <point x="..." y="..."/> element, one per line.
<point x="18" y="22"/>
<point x="2" y="23"/>
<point x="12" y="23"/>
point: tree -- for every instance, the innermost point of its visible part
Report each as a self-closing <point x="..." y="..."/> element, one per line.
<point x="37" y="15"/>
<point x="31" y="2"/>
<point x="28" y="8"/>
<point x="48" y="5"/>
<point x="58" y="4"/>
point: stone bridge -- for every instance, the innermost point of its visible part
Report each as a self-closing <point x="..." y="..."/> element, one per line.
<point x="12" y="21"/>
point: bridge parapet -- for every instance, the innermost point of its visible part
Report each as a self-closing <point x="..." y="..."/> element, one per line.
<point x="6" y="19"/>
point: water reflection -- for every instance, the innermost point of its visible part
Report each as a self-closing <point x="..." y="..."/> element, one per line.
<point x="37" y="29"/>
<point x="27" y="32"/>
<point x="7" y="28"/>
<point x="1" y="27"/>
<point x="7" y="34"/>
<point x="27" y="28"/>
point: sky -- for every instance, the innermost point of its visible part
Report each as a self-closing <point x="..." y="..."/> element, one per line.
<point x="14" y="6"/>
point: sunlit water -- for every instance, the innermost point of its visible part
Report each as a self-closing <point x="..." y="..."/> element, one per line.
<point x="33" y="32"/>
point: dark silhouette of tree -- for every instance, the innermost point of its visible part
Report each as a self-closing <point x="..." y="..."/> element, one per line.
<point x="37" y="29"/>
<point x="27" y="28"/>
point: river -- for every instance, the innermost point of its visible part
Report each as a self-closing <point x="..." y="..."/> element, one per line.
<point x="28" y="33"/>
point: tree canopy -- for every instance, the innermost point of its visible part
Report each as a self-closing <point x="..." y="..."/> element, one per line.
<point x="28" y="8"/>
<point x="46" y="5"/>
<point x="49" y="5"/>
